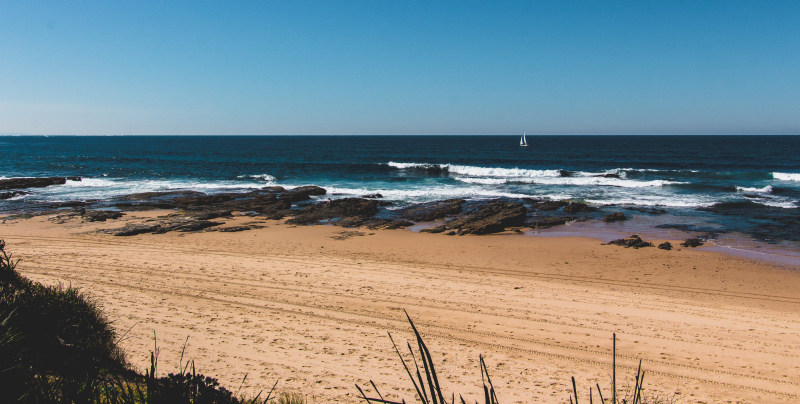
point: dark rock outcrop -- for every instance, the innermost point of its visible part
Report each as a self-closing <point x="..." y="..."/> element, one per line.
<point x="270" y="202"/>
<point x="692" y="242"/>
<point x="633" y="241"/>
<point x="303" y="193"/>
<point x="373" y="196"/>
<point x="233" y="229"/>
<point x="374" y="223"/>
<point x="209" y="214"/>
<point x="147" y="196"/>
<point x="492" y="217"/>
<point x="350" y="209"/>
<point x="387" y="224"/>
<point x="546" y="205"/>
<point x="204" y="200"/>
<point x="428" y="212"/>
<point x="163" y="225"/>
<point x="545" y="222"/>
<point x="435" y="229"/>
<point x="665" y="246"/>
<point x="100" y="215"/>
<point x="614" y="217"/>
<point x="34" y="182"/>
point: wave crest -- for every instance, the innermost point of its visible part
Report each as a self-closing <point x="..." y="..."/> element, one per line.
<point x="766" y="190"/>
<point x="499" y="176"/>
<point x="262" y="177"/>
<point x="786" y="176"/>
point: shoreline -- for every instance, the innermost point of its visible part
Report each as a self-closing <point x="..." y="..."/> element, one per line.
<point x="195" y="211"/>
<point x="739" y="245"/>
<point x="310" y="306"/>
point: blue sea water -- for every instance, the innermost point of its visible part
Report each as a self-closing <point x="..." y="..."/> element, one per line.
<point x="746" y="184"/>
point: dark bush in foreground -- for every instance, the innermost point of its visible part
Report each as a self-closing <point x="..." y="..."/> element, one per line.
<point x="57" y="347"/>
<point x="53" y="340"/>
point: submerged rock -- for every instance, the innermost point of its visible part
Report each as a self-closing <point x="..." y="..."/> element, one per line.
<point x="648" y="210"/>
<point x="615" y="217"/>
<point x="577" y="207"/>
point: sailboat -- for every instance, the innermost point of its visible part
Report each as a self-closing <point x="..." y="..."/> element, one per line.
<point x="522" y="141"/>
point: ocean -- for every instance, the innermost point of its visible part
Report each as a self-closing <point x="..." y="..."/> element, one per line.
<point x="741" y="188"/>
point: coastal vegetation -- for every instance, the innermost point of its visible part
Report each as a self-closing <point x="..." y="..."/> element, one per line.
<point x="56" y="346"/>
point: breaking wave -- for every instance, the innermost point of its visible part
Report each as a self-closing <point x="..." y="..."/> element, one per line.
<point x="262" y="177"/>
<point x="498" y="176"/>
<point x="766" y="190"/>
<point x="786" y="176"/>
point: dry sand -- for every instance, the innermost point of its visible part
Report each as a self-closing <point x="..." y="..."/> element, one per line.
<point x="310" y="307"/>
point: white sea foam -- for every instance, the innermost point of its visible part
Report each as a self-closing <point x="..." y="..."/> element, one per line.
<point x="484" y="181"/>
<point x="767" y="189"/>
<point x="497" y="176"/>
<point x="90" y="183"/>
<point x="658" y="170"/>
<point x="573" y="181"/>
<point x="17" y="197"/>
<point x="779" y="203"/>
<point x="424" y="194"/>
<point x="654" y="200"/>
<point x="101" y="188"/>
<point x="501" y="172"/>
<point x="621" y="172"/>
<point x="475" y="171"/>
<point x="263" y="177"/>
<point x="786" y="176"/>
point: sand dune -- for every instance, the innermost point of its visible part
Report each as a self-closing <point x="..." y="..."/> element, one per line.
<point x="311" y="310"/>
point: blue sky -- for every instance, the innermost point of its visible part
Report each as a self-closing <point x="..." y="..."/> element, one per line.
<point x="399" y="67"/>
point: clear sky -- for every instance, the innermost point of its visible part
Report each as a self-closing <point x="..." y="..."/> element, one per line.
<point x="399" y="67"/>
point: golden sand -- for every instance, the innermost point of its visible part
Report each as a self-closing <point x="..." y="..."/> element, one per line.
<point x="310" y="307"/>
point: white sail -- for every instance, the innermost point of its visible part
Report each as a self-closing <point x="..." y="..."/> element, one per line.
<point x="522" y="140"/>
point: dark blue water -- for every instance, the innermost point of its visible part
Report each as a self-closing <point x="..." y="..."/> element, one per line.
<point x="731" y="183"/>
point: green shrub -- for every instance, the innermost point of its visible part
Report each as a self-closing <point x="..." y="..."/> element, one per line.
<point x="54" y="342"/>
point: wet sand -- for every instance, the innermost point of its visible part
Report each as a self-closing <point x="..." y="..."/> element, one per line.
<point x="310" y="307"/>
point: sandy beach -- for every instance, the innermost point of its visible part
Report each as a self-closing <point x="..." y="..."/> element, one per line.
<point x="310" y="307"/>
